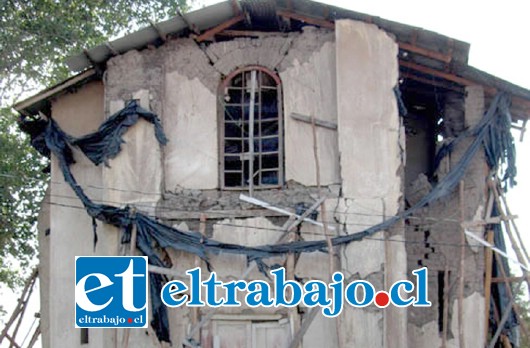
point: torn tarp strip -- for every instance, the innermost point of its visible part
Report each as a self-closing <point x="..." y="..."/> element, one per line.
<point x="150" y="230"/>
<point x="400" y="103"/>
<point x="105" y="143"/>
<point x="499" y="145"/>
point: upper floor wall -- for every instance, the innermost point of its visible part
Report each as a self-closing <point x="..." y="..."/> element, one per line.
<point x="182" y="83"/>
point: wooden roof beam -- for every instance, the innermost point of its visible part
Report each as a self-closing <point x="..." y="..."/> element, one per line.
<point x="306" y="19"/>
<point x="427" y="81"/>
<point x="520" y="102"/>
<point x="210" y="33"/>
<point x="446" y="58"/>
<point x="243" y="33"/>
<point x="438" y="73"/>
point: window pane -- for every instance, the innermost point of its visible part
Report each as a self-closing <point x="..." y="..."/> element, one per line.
<point x="269" y="178"/>
<point x="269" y="144"/>
<point x="233" y="130"/>
<point x="233" y="146"/>
<point x="269" y="128"/>
<point x="233" y="95"/>
<point x="267" y="80"/>
<point x="269" y="161"/>
<point x="237" y="81"/>
<point x="232" y="163"/>
<point x="266" y="138"/>
<point x="269" y="107"/>
<point x="232" y="179"/>
<point x="232" y="112"/>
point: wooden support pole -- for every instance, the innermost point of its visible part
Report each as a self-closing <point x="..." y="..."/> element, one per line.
<point x="504" y="318"/>
<point x="296" y="220"/>
<point x="487" y="281"/>
<point x="34" y="337"/>
<point x="308" y="319"/>
<point x="134" y="238"/>
<point x="318" y="122"/>
<point x="505" y="341"/>
<point x="523" y="259"/>
<point x="323" y="206"/>
<point x="507" y="225"/>
<point x="132" y="251"/>
<point x="194" y="311"/>
<point x="445" y="313"/>
<point x="25" y="301"/>
<point x="462" y="270"/>
<point x="266" y="205"/>
<point x="293" y="222"/>
<point x="20" y="305"/>
<point x="12" y="342"/>
<point x="290" y="265"/>
<point x="331" y="250"/>
<point x="509" y="279"/>
<point x="516" y="307"/>
<point x="515" y="228"/>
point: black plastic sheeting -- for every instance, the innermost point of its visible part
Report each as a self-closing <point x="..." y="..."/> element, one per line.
<point x="106" y="143"/>
<point x="499" y="144"/>
<point x="400" y="103"/>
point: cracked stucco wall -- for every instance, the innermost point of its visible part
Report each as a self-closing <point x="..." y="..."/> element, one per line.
<point x="371" y="173"/>
<point x="347" y="77"/>
<point x="77" y="113"/>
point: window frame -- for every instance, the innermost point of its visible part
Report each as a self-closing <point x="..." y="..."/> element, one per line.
<point x="221" y="126"/>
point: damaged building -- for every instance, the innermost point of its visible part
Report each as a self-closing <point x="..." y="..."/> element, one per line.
<point x="218" y="129"/>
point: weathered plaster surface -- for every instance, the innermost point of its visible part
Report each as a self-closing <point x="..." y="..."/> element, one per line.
<point x="70" y="228"/>
<point x="43" y="228"/>
<point x="190" y="121"/>
<point x="371" y="174"/>
<point x="347" y="77"/>
<point x="428" y="335"/>
<point x="309" y="88"/>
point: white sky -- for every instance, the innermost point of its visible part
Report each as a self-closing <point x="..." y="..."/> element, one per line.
<point x="499" y="36"/>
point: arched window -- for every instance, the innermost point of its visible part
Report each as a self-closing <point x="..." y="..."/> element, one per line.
<point x="251" y="130"/>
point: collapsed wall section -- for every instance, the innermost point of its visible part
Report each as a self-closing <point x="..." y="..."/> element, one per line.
<point x="434" y="233"/>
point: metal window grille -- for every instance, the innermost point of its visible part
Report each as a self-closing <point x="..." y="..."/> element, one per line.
<point x="252" y="130"/>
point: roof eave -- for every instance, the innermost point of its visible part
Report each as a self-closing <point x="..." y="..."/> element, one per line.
<point x="38" y="102"/>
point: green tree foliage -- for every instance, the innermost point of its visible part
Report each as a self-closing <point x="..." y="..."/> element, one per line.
<point x="22" y="184"/>
<point x="35" y="37"/>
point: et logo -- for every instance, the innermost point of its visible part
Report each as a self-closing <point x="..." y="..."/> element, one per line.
<point x="111" y="291"/>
